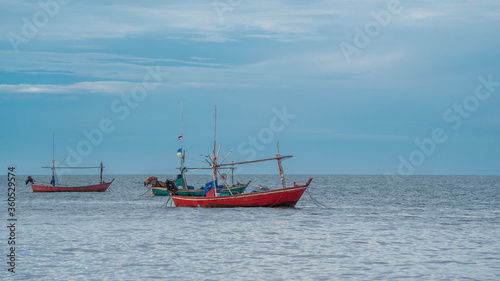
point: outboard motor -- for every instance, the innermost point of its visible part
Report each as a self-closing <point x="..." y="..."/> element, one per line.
<point x="29" y="179"/>
<point x="170" y="184"/>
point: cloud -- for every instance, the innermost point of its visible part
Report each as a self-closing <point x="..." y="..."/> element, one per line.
<point x="218" y="85"/>
<point x="201" y="21"/>
<point x="104" y="87"/>
<point x="419" y="14"/>
<point x="220" y="38"/>
<point x="85" y="46"/>
<point x="102" y="66"/>
<point x="201" y="59"/>
<point x="191" y="20"/>
<point x="444" y="13"/>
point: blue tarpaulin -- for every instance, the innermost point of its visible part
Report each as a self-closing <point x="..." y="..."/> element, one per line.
<point x="208" y="186"/>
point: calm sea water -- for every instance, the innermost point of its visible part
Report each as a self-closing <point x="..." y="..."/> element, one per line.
<point x="423" y="228"/>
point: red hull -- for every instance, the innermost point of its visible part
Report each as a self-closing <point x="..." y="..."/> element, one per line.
<point x="88" y="188"/>
<point x="284" y="197"/>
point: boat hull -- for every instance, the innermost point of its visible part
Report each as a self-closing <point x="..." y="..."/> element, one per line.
<point x="283" y="197"/>
<point x="89" y="188"/>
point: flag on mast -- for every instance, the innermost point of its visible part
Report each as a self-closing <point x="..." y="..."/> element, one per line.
<point x="179" y="152"/>
<point x="180" y="137"/>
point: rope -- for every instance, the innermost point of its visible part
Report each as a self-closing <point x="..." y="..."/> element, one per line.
<point x="317" y="202"/>
<point x="148" y="189"/>
<point x="194" y="159"/>
<point x="276" y="200"/>
<point x="41" y="182"/>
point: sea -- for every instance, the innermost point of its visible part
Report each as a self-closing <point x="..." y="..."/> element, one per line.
<point x="356" y="228"/>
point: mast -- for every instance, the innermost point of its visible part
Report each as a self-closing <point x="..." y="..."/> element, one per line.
<point x="215" y="128"/>
<point x="214" y="164"/>
<point x="100" y="175"/>
<point x="232" y="175"/>
<point x="53" y="181"/>
<point x="280" y="167"/>
<point x="53" y="150"/>
<point x="183" y="153"/>
<point x="182" y="128"/>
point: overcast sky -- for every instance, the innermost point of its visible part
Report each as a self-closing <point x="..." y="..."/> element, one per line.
<point x="348" y="87"/>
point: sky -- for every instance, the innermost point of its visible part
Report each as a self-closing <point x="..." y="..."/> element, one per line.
<point x="347" y="87"/>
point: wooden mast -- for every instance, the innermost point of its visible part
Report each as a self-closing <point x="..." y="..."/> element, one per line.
<point x="214" y="164"/>
<point x="182" y="128"/>
<point x="53" y="162"/>
<point x="232" y="175"/>
<point x="282" y="176"/>
<point x="183" y="153"/>
<point x="100" y="174"/>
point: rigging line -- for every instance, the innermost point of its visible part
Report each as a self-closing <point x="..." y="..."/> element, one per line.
<point x="62" y="160"/>
<point x="238" y="175"/>
<point x="222" y="162"/>
<point x="42" y="182"/>
<point x="193" y="159"/>
<point x="147" y="191"/>
<point x="57" y="179"/>
<point x="317" y="202"/>
<point x="218" y="151"/>
<point x="224" y="184"/>
<point x="277" y="200"/>
<point x="232" y="170"/>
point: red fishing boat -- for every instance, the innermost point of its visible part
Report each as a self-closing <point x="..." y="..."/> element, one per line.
<point x="54" y="183"/>
<point x="89" y="188"/>
<point x="282" y="197"/>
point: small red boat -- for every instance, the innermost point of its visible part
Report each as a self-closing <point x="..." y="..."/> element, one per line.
<point x="282" y="197"/>
<point x="88" y="188"/>
<point x="55" y="187"/>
